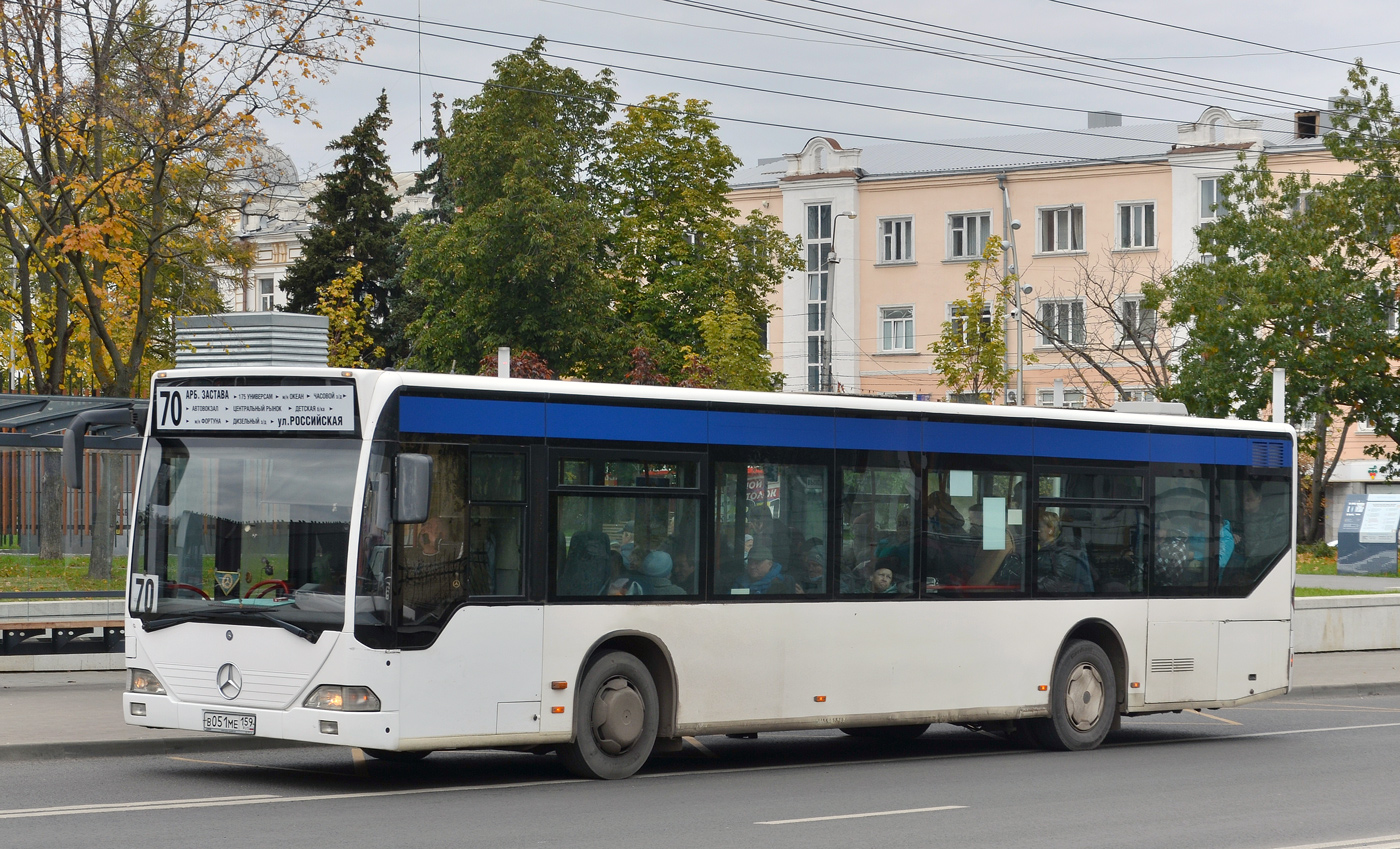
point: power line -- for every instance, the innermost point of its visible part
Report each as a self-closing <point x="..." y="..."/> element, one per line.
<point x="1217" y="35"/>
<point x="1083" y="79"/>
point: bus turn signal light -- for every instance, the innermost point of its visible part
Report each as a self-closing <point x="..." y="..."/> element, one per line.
<point x="1135" y="684"/>
<point x="1042" y="688"/>
<point x="819" y="698"/>
<point x="559" y="685"/>
<point x="558" y="709"/>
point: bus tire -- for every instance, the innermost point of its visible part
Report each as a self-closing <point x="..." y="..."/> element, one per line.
<point x="1083" y="699"/>
<point x="616" y="721"/>
<point x="393" y="757"/>
<point x="887" y="732"/>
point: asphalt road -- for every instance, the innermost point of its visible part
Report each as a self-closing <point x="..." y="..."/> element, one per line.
<point x="1285" y="773"/>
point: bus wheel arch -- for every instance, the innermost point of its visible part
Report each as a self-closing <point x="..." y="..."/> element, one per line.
<point x="657" y="659"/>
<point x="1107" y="638"/>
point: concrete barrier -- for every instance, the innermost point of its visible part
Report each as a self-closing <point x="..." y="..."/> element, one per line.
<point x="1346" y="623"/>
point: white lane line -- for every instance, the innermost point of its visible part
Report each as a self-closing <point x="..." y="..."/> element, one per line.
<point x="1388" y="841"/>
<point x="862" y="816"/>
<point x="258" y="766"/>
<point x="105" y="807"/>
<point x="227" y="801"/>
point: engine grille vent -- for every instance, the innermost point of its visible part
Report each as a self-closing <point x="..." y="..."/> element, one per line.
<point x="1172" y="664"/>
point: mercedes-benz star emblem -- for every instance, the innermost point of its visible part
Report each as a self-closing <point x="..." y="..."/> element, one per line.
<point x="229" y="681"/>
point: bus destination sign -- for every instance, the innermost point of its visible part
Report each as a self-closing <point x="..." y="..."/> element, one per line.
<point x="313" y="409"/>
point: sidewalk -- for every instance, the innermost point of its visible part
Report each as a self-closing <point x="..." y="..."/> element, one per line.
<point x="1349" y="582"/>
<point x="47" y="715"/>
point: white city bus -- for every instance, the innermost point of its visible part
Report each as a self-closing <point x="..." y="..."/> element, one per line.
<point x="410" y="562"/>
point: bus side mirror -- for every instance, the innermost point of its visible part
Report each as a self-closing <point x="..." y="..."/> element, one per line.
<point x="413" y="488"/>
<point x="75" y="436"/>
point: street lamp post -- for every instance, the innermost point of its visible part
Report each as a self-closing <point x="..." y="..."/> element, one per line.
<point x="828" y="378"/>
<point x="1014" y="270"/>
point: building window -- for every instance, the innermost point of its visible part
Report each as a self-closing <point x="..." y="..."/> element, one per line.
<point x="1137" y="225"/>
<point x="279" y="251"/>
<point x="1136" y="322"/>
<point x="958" y="318"/>
<point x="896" y="240"/>
<point x="1368" y="427"/>
<point x="818" y="245"/>
<point x="1211" y="198"/>
<point x="967" y="234"/>
<point x="1137" y="393"/>
<point x="1062" y="322"/>
<point x="897" y="329"/>
<point x="266" y="299"/>
<point x="1074" y="398"/>
<point x="1062" y="229"/>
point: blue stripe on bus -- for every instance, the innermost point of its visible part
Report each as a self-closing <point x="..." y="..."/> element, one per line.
<point x="470" y="416"/>
<point x="1182" y="448"/>
<point x="878" y="434"/>
<point x="626" y="424"/>
<point x="969" y="438"/>
<point x="772" y="429"/>
<point x="1090" y="444"/>
<point x="1239" y="451"/>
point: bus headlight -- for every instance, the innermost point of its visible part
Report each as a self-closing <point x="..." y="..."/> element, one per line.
<point x="144" y="681"/>
<point x="334" y="697"/>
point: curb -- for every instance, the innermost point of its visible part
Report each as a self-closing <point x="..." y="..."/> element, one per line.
<point x="120" y="748"/>
<point x="1382" y="688"/>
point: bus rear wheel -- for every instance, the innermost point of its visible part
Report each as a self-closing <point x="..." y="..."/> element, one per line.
<point x="887" y="732"/>
<point x="616" y="721"/>
<point x="1083" y="700"/>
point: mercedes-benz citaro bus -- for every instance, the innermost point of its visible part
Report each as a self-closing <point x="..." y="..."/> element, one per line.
<point x="411" y="562"/>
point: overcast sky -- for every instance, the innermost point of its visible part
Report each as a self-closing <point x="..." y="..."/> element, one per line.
<point x="837" y="54"/>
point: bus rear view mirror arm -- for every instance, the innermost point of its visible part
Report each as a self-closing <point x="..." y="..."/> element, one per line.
<point x="413" y="488"/>
<point x="76" y="434"/>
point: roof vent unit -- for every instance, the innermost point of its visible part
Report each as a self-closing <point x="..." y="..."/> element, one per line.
<point x="1152" y="408"/>
<point x="1098" y="120"/>
<point x="251" y="339"/>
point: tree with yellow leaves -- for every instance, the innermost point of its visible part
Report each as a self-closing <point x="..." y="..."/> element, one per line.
<point x="123" y="124"/>
<point x="349" y="343"/>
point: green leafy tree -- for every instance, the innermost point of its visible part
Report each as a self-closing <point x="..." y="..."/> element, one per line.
<point x="519" y="264"/>
<point x="970" y="352"/>
<point x="353" y="225"/>
<point x="734" y="354"/>
<point x="680" y="250"/>
<point x="1290" y="287"/>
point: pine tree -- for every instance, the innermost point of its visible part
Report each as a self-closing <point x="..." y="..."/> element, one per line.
<point x="353" y="225"/>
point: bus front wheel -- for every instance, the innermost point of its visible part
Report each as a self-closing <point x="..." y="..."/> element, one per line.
<point x="1083" y="699"/>
<point x="616" y="721"/>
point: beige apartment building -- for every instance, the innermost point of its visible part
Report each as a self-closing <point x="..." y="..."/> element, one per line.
<point x="889" y="230"/>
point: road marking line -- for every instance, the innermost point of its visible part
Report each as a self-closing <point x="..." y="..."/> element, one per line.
<point x="862" y="816"/>
<point x="701" y="747"/>
<point x="1199" y="712"/>
<point x="1386" y="842"/>
<point x="106" y="807"/>
<point x="257" y="766"/>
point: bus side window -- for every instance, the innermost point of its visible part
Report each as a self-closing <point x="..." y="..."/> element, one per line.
<point x="975" y="529"/>
<point x="1181" y="534"/>
<point x="1254" y="526"/>
<point x="877" y="529"/>
<point x="770" y="530"/>
<point x="433" y="558"/>
<point x="496" y="534"/>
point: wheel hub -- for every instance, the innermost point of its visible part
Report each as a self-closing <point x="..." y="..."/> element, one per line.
<point x="1084" y="697"/>
<point x="618" y="716"/>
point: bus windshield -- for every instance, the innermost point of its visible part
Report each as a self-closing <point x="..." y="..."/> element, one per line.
<point x="247" y="528"/>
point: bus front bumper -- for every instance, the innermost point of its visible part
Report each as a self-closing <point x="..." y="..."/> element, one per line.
<point x="365" y="729"/>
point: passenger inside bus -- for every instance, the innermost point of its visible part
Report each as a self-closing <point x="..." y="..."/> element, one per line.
<point x="813" y="579"/>
<point x="762" y="575"/>
<point x="1061" y="565"/>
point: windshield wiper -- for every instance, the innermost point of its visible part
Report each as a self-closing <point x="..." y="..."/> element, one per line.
<point x="295" y="629"/>
<point x="157" y="624"/>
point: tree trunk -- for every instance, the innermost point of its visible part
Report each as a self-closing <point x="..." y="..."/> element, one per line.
<point x="51" y="505"/>
<point x="104" y="494"/>
<point x="1313" y="527"/>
